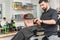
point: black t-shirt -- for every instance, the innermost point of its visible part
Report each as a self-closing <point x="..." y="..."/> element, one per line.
<point x="50" y="29"/>
<point x="58" y="22"/>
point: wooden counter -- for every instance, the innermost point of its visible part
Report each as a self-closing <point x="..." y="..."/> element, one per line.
<point x="7" y="35"/>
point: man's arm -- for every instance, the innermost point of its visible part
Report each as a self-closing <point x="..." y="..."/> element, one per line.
<point x="52" y="21"/>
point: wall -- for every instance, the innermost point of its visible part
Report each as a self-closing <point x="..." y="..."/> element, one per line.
<point x="19" y="12"/>
<point x="39" y="10"/>
<point x="6" y="9"/>
<point x="20" y="23"/>
<point x="54" y="3"/>
<point x="2" y="2"/>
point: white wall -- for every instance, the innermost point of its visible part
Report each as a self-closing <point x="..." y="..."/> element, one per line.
<point x="20" y="23"/>
<point x="8" y="11"/>
<point x="54" y="3"/>
<point x="39" y="11"/>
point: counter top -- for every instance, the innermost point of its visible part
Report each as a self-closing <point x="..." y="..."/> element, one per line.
<point x="7" y="35"/>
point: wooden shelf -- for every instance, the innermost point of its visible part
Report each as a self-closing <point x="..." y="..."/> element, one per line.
<point x="23" y="8"/>
<point x="19" y="19"/>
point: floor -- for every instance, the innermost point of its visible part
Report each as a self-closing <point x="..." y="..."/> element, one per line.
<point x="7" y="38"/>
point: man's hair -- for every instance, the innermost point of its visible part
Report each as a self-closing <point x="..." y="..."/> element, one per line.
<point x="40" y="1"/>
<point x="28" y="16"/>
<point x="4" y="17"/>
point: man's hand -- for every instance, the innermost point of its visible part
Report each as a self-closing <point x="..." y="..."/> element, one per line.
<point x="38" y="21"/>
<point x="58" y="16"/>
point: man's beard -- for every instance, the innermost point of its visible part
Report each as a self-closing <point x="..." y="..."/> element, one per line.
<point x="44" y="9"/>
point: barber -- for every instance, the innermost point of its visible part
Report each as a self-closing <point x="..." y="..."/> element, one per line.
<point x="48" y="20"/>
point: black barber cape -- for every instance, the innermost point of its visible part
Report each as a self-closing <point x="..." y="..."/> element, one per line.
<point x="25" y="33"/>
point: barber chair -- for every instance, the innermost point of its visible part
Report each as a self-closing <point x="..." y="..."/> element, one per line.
<point x="59" y="33"/>
<point x="36" y="35"/>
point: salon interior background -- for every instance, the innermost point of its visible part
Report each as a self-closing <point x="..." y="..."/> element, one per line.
<point x="7" y="10"/>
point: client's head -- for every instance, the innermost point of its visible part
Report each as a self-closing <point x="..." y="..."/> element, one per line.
<point x="28" y="19"/>
<point x="28" y="16"/>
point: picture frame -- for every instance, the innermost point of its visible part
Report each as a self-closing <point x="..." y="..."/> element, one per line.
<point x="17" y="5"/>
